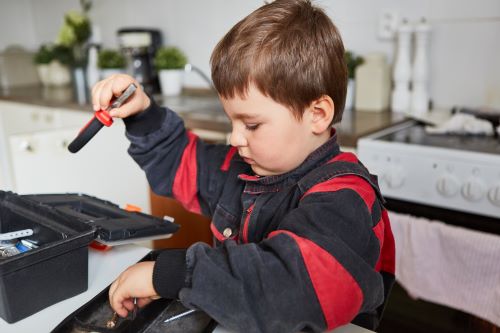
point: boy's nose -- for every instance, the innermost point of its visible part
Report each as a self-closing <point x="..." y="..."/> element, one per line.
<point x="237" y="139"/>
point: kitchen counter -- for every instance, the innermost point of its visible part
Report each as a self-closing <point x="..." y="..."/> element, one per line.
<point x="104" y="267"/>
<point x="202" y="110"/>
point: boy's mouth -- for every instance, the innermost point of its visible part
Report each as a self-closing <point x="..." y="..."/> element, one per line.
<point x="248" y="160"/>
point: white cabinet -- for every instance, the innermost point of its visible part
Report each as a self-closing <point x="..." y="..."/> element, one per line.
<point x="36" y="158"/>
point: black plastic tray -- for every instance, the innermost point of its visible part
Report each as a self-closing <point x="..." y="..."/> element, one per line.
<point x="93" y="316"/>
<point x="113" y="225"/>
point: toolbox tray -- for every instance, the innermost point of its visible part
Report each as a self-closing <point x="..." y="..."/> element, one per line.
<point x="113" y="225"/>
<point x="63" y="226"/>
<point x="93" y="316"/>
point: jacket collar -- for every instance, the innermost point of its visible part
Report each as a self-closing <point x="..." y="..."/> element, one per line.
<point x="321" y="155"/>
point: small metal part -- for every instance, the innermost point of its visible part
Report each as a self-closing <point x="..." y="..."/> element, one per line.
<point x="180" y="315"/>
<point x="134" y="312"/>
<point x="9" y="251"/>
<point x="16" y="234"/>
<point x="29" y="244"/>
<point x="112" y="322"/>
<point x="123" y="97"/>
<point x="7" y="243"/>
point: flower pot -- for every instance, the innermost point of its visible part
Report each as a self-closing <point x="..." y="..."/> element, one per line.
<point x="43" y="71"/>
<point x="107" y="72"/>
<point x="171" y="81"/>
<point x="59" y="74"/>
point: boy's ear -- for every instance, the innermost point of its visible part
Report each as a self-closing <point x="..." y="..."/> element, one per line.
<point x="322" y="111"/>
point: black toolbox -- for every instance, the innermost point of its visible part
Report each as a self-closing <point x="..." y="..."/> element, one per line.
<point x="162" y="315"/>
<point x="63" y="226"/>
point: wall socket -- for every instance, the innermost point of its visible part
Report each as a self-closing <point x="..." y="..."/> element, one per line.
<point x="388" y="23"/>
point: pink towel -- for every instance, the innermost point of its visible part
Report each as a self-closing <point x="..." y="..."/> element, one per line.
<point x="448" y="265"/>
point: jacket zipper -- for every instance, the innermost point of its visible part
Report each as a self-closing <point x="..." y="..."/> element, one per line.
<point x="246" y="223"/>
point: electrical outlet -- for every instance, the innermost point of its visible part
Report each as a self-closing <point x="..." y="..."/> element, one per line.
<point x="388" y="24"/>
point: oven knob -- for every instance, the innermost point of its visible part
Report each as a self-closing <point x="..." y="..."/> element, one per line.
<point x="394" y="178"/>
<point x="448" y="186"/>
<point x="473" y="189"/>
<point x="494" y="195"/>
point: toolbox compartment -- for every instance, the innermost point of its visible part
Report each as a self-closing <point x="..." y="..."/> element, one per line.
<point x="63" y="226"/>
<point x="93" y="316"/>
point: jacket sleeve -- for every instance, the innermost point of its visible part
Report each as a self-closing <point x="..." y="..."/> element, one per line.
<point x="176" y="162"/>
<point x="316" y="272"/>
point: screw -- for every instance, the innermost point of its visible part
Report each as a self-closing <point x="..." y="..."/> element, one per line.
<point x="112" y="322"/>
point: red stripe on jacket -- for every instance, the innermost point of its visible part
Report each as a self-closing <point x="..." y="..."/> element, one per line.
<point x="185" y="189"/>
<point x="338" y="293"/>
<point x="220" y="237"/>
<point x="345" y="157"/>
<point x="352" y="182"/>
<point x="245" y="224"/>
<point x="387" y="260"/>
<point x="227" y="160"/>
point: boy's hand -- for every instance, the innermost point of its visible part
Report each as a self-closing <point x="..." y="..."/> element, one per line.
<point x="135" y="282"/>
<point x="104" y="91"/>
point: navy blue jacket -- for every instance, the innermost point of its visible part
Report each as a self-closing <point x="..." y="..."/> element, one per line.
<point x="308" y="250"/>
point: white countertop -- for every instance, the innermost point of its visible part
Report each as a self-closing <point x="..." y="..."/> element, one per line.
<point x="104" y="267"/>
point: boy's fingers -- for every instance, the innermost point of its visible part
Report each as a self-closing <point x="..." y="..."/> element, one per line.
<point x="120" y="83"/>
<point x="112" y="289"/>
<point x="125" y="110"/>
<point x="142" y="302"/>
<point x="116" y="301"/>
<point x="128" y="304"/>
<point x="105" y="94"/>
<point x="96" y="90"/>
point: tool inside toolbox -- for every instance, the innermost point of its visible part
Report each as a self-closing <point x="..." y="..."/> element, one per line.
<point x="95" y="315"/>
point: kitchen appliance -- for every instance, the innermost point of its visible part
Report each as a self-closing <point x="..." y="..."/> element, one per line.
<point x="454" y="172"/>
<point x="139" y="46"/>
<point x="454" y="179"/>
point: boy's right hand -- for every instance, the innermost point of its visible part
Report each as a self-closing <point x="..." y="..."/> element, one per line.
<point x="104" y="91"/>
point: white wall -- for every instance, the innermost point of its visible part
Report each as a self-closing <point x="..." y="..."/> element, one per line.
<point x="17" y="24"/>
<point x="465" y="46"/>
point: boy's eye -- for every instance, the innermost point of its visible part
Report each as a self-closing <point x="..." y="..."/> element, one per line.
<point x="251" y="127"/>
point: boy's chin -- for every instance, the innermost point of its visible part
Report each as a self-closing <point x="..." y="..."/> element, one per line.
<point x="263" y="172"/>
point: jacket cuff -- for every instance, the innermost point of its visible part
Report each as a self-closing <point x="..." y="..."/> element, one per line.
<point x="147" y="121"/>
<point x="169" y="273"/>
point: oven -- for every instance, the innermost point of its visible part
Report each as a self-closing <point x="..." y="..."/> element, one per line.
<point x="450" y="179"/>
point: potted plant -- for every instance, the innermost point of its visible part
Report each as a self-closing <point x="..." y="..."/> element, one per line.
<point x="43" y="57"/>
<point x="352" y="61"/>
<point x="59" y="72"/>
<point x="74" y="35"/>
<point x="110" y="62"/>
<point x="170" y="62"/>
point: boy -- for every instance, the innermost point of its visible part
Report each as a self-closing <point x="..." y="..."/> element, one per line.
<point x="302" y="239"/>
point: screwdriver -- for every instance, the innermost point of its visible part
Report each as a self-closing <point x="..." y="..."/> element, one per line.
<point x="101" y="118"/>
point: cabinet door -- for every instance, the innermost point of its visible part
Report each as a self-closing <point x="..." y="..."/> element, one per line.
<point x="42" y="164"/>
<point x="194" y="227"/>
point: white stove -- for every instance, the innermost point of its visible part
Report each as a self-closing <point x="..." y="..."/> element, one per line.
<point x="460" y="173"/>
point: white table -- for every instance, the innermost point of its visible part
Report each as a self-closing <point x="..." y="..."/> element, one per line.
<point x="104" y="267"/>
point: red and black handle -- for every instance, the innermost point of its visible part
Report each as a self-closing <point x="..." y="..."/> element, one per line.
<point x="101" y="118"/>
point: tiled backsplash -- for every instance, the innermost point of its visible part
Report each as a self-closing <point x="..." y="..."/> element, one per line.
<point x="465" y="61"/>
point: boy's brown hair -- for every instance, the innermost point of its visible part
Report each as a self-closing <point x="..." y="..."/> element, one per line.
<point x="290" y="50"/>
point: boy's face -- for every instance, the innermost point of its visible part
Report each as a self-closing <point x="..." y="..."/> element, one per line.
<point x="268" y="136"/>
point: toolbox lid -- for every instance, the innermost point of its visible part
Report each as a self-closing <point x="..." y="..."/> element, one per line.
<point x="113" y="225"/>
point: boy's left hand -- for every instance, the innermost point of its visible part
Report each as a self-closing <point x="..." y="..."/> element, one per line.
<point x="135" y="282"/>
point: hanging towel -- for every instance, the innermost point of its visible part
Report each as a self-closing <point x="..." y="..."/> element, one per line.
<point x="448" y="265"/>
